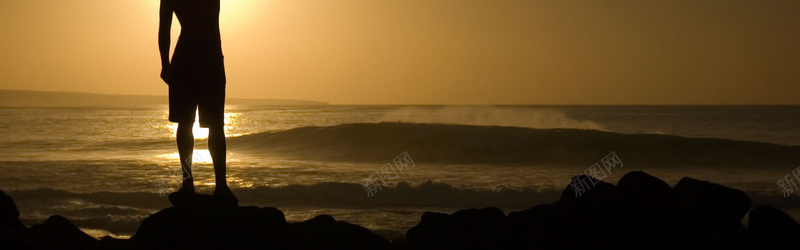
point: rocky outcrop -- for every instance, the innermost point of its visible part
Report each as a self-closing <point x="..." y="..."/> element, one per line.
<point x="205" y="222"/>
<point x="639" y="212"/>
<point x="55" y="233"/>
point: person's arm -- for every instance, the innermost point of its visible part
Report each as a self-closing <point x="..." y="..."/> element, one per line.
<point x="164" y="29"/>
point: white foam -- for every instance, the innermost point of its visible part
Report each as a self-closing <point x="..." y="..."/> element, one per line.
<point x="489" y="116"/>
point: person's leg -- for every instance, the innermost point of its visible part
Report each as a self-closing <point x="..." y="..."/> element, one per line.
<point x="218" y="150"/>
<point x="185" y="140"/>
<point x="212" y="115"/>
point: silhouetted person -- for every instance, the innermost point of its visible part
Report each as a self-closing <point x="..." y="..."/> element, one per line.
<point x="196" y="79"/>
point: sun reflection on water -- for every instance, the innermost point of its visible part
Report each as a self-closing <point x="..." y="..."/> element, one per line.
<point x="201" y="156"/>
<point x="232" y="122"/>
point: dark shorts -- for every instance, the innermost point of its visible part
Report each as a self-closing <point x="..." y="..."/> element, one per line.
<point x="199" y="83"/>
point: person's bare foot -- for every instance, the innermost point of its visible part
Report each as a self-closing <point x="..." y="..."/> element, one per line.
<point x="183" y="194"/>
<point x="225" y="193"/>
<point x="188" y="187"/>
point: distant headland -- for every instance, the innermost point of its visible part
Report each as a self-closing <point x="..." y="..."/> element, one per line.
<point x="28" y="98"/>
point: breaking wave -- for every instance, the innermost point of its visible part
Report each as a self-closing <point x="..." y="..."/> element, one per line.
<point x="466" y="144"/>
<point x="489" y="116"/>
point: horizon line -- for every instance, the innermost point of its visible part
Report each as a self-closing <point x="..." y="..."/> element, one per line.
<point x="424" y="104"/>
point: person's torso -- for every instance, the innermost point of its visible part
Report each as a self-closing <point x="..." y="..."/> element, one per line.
<point x="199" y="19"/>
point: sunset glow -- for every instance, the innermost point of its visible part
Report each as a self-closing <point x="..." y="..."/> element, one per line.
<point x="399" y="124"/>
<point x="427" y="52"/>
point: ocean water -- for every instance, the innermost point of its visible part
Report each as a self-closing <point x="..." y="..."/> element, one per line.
<point x="106" y="168"/>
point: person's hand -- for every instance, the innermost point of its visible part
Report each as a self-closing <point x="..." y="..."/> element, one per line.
<point x="167" y="75"/>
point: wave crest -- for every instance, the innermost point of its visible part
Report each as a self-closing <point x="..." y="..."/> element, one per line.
<point x="463" y="144"/>
<point x="489" y="116"/>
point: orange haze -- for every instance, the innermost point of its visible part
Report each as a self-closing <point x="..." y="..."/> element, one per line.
<point x="428" y="51"/>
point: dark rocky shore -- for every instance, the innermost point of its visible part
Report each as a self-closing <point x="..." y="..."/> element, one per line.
<point x="640" y="212"/>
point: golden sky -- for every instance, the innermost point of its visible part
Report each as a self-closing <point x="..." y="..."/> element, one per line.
<point x="428" y="51"/>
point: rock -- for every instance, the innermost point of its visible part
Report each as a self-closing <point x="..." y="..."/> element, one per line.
<point x="324" y="232"/>
<point x="646" y="188"/>
<point x="539" y="227"/>
<point x="204" y="221"/>
<point x="272" y="215"/>
<point x="592" y="189"/>
<point x="648" y="205"/>
<point x="13" y="234"/>
<point x="769" y="220"/>
<point x="23" y="239"/>
<point x="322" y="219"/>
<point x="63" y="233"/>
<point x="483" y="228"/>
<point x="640" y="212"/>
<point x="465" y="229"/>
<point x="580" y="220"/>
<point x="400" y="244"/>
<point x="109" y="242"/>
<point x="9" y="215"/>
<point x="600" y="198"/>
<point x="771" y="228"/>
<point x="430" y="230"/>
<point x="717" y="202"/>
<point x="709" y="212"/>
